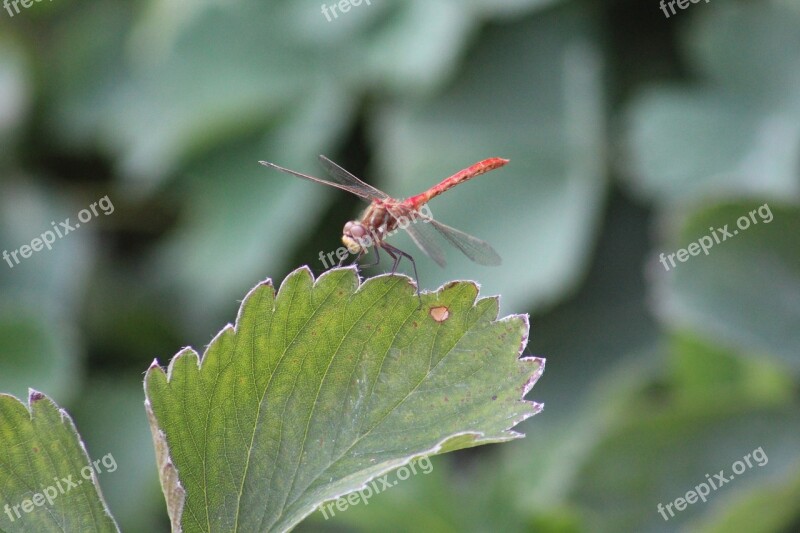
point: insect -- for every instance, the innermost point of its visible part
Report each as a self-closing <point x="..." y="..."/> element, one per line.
<point x="385" y="214"/>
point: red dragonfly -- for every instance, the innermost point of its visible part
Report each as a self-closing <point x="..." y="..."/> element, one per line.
<point x="385" y="214"/>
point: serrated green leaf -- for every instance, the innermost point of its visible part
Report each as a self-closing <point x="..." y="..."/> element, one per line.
<point x="325" y="386"/>
<point x="47" y="482"/>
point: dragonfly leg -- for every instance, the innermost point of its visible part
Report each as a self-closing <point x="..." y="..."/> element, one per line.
<point x="377" y="258"/>
<point x="354" y="262"/>
<point x="397" y="254"/>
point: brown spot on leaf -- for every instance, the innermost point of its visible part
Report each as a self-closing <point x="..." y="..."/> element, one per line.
<point x="440" y="314"/>
<point x="494" y="396"/>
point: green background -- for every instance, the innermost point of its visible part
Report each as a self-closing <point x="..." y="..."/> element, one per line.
<point x="630" y="134"/>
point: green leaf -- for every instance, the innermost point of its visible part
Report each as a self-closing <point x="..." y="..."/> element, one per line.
<point x="48" y="482"/>
<point x="164" y="106"/>
<point x="658" y="456"/>
<point x="703" y="370"/>
<point x="326" y="386"/>
<point x="661" y="440"/>
<point x="768" y="508"/>
<point x="655" y="453"/>
<point x="735" y="132"/>
<point x="745" y="293"/>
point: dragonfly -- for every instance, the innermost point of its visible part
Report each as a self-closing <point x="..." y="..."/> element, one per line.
<point x="385" y="215"/>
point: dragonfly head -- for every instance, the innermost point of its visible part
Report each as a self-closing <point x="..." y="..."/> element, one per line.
<point x="356" y="237"/>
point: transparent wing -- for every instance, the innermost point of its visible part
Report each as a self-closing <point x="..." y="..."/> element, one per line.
<point x="425" y="239"/>
<point x="339" y="175"/>
<point x="474" y="248"/>
<point x="349" y="183"/>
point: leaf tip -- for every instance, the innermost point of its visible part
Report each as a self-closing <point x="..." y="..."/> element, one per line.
<point x="526" y="329"/>
<point x="473" y="287"/>
<point x="449" y="285"/>
<point x="539" y="362"/>
<point x="35" y="396"/>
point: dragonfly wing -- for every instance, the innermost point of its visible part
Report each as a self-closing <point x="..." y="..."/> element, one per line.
<point x="358" y="190"/>
<point x="424" y="237"/>
<point x="474" y="248"/>
<point x="339" y="175"/>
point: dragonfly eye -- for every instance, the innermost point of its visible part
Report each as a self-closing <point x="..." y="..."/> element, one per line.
<point x="355" y="230"/>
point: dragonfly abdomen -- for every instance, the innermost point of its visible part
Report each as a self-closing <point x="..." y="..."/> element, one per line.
<point x="475" y="170"/>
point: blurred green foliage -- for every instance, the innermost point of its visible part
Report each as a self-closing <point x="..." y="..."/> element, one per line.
<point x="629" y="134"/>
